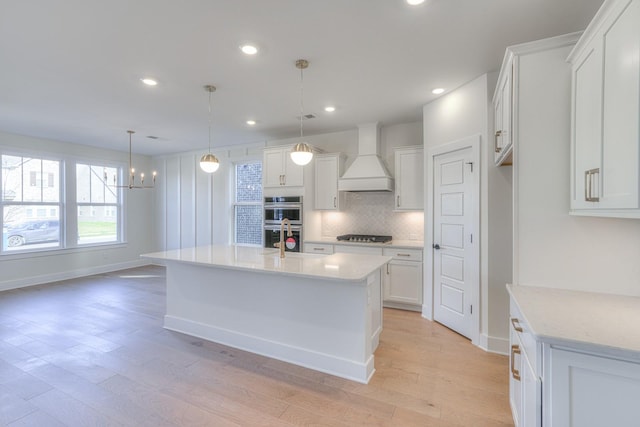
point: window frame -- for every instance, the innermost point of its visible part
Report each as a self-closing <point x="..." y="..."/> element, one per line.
<point x="235" y="203"/>
<point x="67" y="204"/>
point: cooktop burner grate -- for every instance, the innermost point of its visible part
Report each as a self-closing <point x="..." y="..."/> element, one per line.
<point x="364" y="238"/>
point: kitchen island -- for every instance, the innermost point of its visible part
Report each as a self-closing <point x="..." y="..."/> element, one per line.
<point x="320" y="312"/>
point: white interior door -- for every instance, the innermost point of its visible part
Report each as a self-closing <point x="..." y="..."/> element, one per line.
<point x="453" y="255"/>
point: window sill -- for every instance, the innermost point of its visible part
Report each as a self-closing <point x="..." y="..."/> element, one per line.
<point x="50" y="252"/>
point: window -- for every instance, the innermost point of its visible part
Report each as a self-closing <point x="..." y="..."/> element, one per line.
<point x="248" y="203"/>
<point x="30" y="185"/>
<point x="98" y="204"/>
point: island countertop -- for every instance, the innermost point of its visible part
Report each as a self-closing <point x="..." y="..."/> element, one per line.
<point x="343" y="267"/>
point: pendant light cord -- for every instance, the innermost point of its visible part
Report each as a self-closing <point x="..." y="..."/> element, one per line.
<point x="301" y="98"/>
<point x="210" y="121"/>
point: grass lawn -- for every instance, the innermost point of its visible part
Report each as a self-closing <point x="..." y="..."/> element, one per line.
<point x="90" y="229"/>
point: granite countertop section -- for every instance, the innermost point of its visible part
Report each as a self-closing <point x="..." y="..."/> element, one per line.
<point x="587" y="320"/>
<point x="342" y="267"/>
<point x="406" y="244"/>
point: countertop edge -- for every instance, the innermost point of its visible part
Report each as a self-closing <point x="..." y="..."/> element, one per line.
<point x="554" y="340"/>
<point x="404" y="244"/>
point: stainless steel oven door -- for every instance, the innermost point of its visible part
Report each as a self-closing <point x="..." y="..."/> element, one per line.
<point x="274" y="214"/>
<point x="292" y="244"/>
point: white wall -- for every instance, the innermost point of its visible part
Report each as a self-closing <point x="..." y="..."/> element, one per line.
<point x="461" y="113"/>
<point x="555" y="249"/>
<point x="42" y="267"/>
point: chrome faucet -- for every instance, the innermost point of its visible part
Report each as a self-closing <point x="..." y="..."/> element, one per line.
<point x="281" y="243"/>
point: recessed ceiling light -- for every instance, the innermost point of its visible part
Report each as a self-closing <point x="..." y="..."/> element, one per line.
<point x="249" y="49"/>
<point x="251" y="122"/>
<point x="415" y="2"/>
<point x="330" y="109"/>
<point x="437" y="91"/>
<point x="149" y="81"/>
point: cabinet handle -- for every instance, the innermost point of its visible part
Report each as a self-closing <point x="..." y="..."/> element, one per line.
<point x="516" y="325"/>
<point x="318" y="249"/>
<point x="388" y="269"/>
<point x="407" y="255"/>
<point x="515" y="349"/>
<point x="335" y="202"/>
<point x="591" y="177"/>
<point x="495" y="141"/>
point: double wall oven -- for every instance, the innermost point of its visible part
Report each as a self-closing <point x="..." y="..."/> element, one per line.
<point x="277" y="209"/>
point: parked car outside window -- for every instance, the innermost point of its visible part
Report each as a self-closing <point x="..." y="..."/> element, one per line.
<point x="37" y="231"/>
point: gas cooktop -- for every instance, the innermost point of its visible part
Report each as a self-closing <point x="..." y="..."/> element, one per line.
<point x="364" y="238"/>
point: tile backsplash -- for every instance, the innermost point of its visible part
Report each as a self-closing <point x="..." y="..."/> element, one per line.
<point x="372" y="213"/>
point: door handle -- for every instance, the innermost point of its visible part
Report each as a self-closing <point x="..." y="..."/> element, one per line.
<point x="436" y="246"/>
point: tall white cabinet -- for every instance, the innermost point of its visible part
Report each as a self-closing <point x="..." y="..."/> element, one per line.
<point x="409" y="178"/>
<point x="605" y="131"/>
<point x="278" y="170"/>
<point x="329" y="168"/>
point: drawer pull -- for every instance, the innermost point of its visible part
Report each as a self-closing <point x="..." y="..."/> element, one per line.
<point x="318" y="249"/>
<point x="516" y="325"/>
<point x="515" y="349"/>
<point x="406" y="255"/>
<point x="495" y="141"/>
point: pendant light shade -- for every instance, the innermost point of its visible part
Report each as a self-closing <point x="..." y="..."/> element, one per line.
<point x="208" y="162"/>
<point x="301" y="153"/>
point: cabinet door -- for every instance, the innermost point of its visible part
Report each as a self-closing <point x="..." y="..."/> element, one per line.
<point x="591" y="391"/>
<point x="503" y="138"/>
<point x="587" y="124"/>
<point x="621" y="112"/>
<point x="515" y="377"/>
<point x="403" y="283"/>
<point x="293" y="174"/>
<point x="326" y="183"/>
<point x="273" y="168"/>
<point x="409" y="180"/>
<point x="531" y="406"/>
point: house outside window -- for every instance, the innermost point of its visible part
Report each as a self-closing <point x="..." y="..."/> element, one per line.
<point x="248" y="203"/>
<point x="31" y="203"/>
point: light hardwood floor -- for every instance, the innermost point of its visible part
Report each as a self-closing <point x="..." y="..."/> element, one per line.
<point x="92" y="352"/>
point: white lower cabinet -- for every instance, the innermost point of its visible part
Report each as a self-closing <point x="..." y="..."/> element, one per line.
<point x="402" y="285"/>
<point x="589" y="390"/>
<point x="557" y="383"/>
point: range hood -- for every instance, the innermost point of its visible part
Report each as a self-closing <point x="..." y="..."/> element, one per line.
<point x="367" y="172"/>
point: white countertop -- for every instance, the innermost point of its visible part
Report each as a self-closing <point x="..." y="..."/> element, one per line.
<point x="408" y="244"/>
<point x="344" y="267"/>
<point x="585" y="319"/>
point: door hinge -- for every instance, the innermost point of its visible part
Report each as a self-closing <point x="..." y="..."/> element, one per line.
<point x="471" y="307"/>
<point x="470" y="164"/>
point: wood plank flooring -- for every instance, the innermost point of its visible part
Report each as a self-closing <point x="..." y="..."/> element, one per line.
<point x="92" y="352"/>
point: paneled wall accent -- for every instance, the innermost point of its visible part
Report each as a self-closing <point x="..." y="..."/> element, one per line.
<point x="193" y="208"/>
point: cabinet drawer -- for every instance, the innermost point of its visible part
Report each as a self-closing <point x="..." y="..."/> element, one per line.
<point x="364" y="250"/>
<point x="527" y="340"/>
<point x="318" y="248"/>
<point x="403" y="254"/>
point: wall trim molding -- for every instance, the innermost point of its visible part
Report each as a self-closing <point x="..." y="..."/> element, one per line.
<point x="72" y="274"/>
<point x="494" y="344"/>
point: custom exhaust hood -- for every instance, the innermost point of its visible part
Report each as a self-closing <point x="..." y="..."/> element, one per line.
<point x="367" y="172"/>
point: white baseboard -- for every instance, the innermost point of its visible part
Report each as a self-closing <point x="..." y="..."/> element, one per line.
<point x="73" y="274"/>
<point x="494" y="344"/>
<point x="352" y="370"/>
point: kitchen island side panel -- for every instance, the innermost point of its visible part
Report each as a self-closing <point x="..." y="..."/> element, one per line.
<point x="321" y="324"/>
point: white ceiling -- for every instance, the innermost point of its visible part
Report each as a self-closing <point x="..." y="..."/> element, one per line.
<point x="70" y="69"/>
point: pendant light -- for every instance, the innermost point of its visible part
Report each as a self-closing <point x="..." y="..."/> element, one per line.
<point x="208" y="162"/>
<point x="131" y="174"/>
<point x="301" y="153"/>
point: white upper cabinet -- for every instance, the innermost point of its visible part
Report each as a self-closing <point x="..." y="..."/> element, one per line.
<point x="409" y="179"/>
<point x="605" y="137"/>
<point x="503" y="107"/>
<point x="329" y="168"/>
<point x="279" y="170"/>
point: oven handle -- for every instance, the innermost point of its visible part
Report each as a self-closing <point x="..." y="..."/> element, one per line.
<point x="282" y="205"/>
<point x="277" y="228"/>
